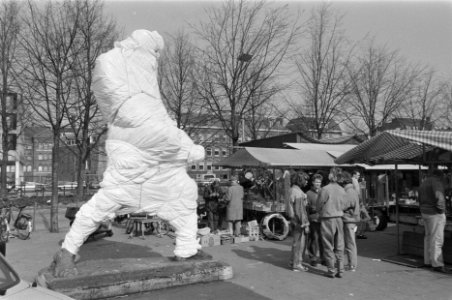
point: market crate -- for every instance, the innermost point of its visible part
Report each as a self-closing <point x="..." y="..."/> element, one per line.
<point x="226" y="239"/>
<point x="252" y="232"/>
<point x="210" y="240"/>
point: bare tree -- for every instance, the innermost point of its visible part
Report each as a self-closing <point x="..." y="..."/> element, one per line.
<point x="446" y="105"/>
<point x="423" y="107"/>
<point x="95" y="34"/>
<point x="381" y="81"/>
<point x="51" y="31"/>
<point x="261" y="120"/>
<point x="177" y="83"/>
<point x="243" y="44"/>
<point x="10" y="27"/>
<point x="322" y="69"/>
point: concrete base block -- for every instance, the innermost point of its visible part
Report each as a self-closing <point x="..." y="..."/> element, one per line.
<point x="115" y="277"/>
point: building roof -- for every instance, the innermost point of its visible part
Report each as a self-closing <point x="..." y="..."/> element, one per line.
<point x="407" y="123"/>
<point x="279" y="141"/>
<point x="307" y="124"/>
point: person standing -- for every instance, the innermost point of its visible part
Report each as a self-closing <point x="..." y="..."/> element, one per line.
<point x="330" y="209"/>
<point x="315" y="247"/>
<point x="432" y="204"/>
<point x="350" y="218"/>
<point x="212" y="195"/>
<point x="298" y="219"/>
<point x="362" y="208"/>
<point x="234" y="209"/>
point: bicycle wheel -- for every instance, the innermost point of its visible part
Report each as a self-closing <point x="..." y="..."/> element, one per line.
<point x="4" y="230"/>
<point x="23" y="227"/>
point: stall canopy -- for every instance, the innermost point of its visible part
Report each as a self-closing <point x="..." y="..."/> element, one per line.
<point x="397" y="146"/>
<point x="272" y="157"/>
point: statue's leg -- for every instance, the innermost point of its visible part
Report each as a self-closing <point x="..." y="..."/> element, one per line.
<point x="99" y="208"/>
<point x="186" y="227"/>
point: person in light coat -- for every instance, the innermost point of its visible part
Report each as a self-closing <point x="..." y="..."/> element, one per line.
<point x="350" y="218"/>
<point x="298" y="220"/>
<point x="330" y="209"/>
<point x="234" y="210"/>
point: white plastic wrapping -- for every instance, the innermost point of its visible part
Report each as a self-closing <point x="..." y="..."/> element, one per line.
<point x="147" y="153"/>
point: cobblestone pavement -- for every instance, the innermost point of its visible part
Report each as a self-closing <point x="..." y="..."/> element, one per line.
<point x="260" y="268"/>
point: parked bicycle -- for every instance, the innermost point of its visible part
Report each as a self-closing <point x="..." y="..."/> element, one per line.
<point x="23" y="225"/>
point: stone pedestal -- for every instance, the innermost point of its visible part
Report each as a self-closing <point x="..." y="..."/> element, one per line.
<point x="115" y="277"/>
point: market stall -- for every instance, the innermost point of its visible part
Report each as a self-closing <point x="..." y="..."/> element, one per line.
<point x="427" y="148"/>
<point x="264" y="172"/>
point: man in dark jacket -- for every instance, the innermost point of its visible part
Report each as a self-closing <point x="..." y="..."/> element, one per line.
<point x="315" y="247"/>
<point x="433" y="205"/>
<point x="330" y="208"/>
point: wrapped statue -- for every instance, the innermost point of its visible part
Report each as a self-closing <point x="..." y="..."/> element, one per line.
<point x="147" y="153"/>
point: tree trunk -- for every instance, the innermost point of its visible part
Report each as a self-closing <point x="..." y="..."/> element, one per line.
<point x="55" y="168"/>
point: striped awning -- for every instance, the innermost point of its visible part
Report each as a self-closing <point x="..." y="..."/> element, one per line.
<point x="397" y="146"/>
<point x="439" y="139"/>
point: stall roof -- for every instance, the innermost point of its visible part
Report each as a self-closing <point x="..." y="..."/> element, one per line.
<point x="397" y="146"/>
<point x="273" y="157"/>
<point x="323" y="147"/>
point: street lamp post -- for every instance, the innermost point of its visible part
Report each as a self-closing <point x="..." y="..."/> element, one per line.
<point x="243" y="58"/>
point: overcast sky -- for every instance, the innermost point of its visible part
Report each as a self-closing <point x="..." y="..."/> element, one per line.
<point x="421" y="30"/>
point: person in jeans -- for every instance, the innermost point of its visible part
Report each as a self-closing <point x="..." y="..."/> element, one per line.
<point x="432" y="204"/>
<point x="298" y="219"/>
<point x="330" y="208"/>
<point x="315" y="247"/>
<point x="350" y="218"/>
<point x="361" y="226"/>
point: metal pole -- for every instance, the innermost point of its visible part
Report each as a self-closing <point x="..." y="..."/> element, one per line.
<point x="397" y="207"/>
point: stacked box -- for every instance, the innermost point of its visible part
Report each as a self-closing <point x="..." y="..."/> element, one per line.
<point x="253" y="233"/>
<point x="204" y="240"/>
<point x="209" y="240"/>
<point x="226" y="239"/>
<point x="214" y="240"/>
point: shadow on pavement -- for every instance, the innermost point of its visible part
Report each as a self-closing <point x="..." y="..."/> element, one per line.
<point x="276" y="257"/>
<point x="102" y="249"/>
<point x="219" y="290"/>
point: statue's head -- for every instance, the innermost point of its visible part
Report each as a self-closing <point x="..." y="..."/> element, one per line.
<point x="128" y="69"/>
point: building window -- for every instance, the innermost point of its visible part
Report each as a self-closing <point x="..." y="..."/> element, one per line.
<point x="224" y="152"/>
<point x="209" y="167"/>
<point x="39" y="168"/>
<point x="209" y="151"/>
<point x="201" y="167"/>
<point x="217" y="152"/>
<point x="28" y="168"/>
<point x="217" y="167"/>
<point x="193" y="167"/>
<point x="39" y="157"/>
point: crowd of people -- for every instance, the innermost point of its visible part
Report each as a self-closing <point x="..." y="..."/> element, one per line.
<point x="324" y="221"/>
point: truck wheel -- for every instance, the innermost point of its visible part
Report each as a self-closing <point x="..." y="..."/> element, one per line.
<point x="383" y="220"/>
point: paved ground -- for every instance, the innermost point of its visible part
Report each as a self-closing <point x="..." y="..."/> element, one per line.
<point x="260" y="268"/>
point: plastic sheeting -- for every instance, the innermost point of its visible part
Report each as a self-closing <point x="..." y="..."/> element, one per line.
<point x="147" y="153"/>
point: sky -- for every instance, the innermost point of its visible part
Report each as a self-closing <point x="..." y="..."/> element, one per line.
<point x="420" y="30"/>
